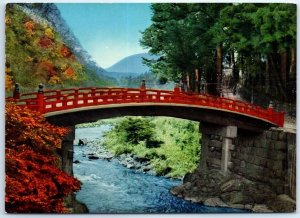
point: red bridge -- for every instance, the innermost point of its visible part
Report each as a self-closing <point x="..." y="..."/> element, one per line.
<point x="68" y="101"/>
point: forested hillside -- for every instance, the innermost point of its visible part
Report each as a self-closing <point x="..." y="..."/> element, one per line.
<point x="257" y="42"/>
<point x="36" y="53"/>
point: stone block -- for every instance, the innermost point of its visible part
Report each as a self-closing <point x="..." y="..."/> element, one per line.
<point x="277" y="165"/>
<point x="230" y="165"/>
<point x="274" y="135"/>
<point x="233" y="154"/>
<point x="262" y="152"/>
<point x="291" y="139"/>
<point x="214" y="202"/>
<point x="243" y="164"/>
<point x="214" y="161"/>
<point x="282" y="136"/>
<point x="268" y="134"/>
<point x="216" y="144"/>
<point x="224" y="131"/>
<point x="283" y="203"/>
<point x="279" y="155"/>
<point x="263" y="162"/>
<point x="264" y="143"/>
<point x="235" y="197"/>
<point x="254" y="171"/>
<point x="279" y="173"/>
<point x="272" y="144"/>
<point x="261" y="208"/>
<point x="235" y="141"/>
<point x="257" y="143"/>
<point x="279" y="145"/>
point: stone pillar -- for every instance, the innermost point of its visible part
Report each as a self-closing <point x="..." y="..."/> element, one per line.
<point x="229" y="132"/>
<point x="67" y="151"/>
<point x="211" y="148"/>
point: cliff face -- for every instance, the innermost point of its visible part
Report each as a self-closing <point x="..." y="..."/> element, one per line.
<point x="41" y="48"/>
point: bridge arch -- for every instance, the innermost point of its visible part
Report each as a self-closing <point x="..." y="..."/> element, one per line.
<point x="73" y="106"/>
<point x="69" y="107"/>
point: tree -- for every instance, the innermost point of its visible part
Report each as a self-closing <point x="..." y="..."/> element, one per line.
<point x="136" y="130"/>
<point x="183" y="35"/>
<point x="264" y="37"/>
<point x="194" y="41"/>
<point x="34" y="182"/>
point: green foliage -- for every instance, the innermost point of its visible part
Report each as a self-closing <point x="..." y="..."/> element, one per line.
<point x="177" y="143"/>
<point x="258" y="40"/>
<point x="136" y="130"/>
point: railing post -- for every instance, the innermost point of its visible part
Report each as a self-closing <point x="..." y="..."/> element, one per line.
<point x="176" y="91"/>
<point x="76" y="91"/>
<point x="143" y="90"/>
<point x="40" y="99"/>
<point x="16" y="94"/>
<point x="93" y="94"/>
<point x="58" y="94"/>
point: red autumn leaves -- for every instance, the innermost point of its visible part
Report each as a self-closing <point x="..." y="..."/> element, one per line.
<point x="34" y="183"/>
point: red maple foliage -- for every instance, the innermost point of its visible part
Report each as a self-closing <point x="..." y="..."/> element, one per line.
<point x="65" y="52"/>
<point x="34" y="183"/>
<point x="45" y="42"/>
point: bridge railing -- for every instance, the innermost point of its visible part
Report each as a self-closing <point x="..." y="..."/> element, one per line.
<point x="57" y="100"/>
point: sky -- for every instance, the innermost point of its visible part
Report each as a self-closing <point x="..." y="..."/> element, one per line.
<point x="108" y="32"/>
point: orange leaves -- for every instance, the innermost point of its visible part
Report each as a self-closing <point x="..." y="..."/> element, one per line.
<point x="45" y="42"/>
<point x="54" y="80"/>
<point x="65" y="52"/>
<point x="48" y="68"/>
<point x="33" y="181"/>
<point x="69" y="73"/>
<point x="7" y="20"/>
<point x="29" y="27"/>
<point x="9" y="83"/>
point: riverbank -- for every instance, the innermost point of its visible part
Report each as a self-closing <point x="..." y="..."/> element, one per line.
<point x="212" y="188"/>
<point x="96" y="150"/>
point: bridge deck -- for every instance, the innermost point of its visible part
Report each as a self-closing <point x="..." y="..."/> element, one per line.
<point x="54" y="101"/>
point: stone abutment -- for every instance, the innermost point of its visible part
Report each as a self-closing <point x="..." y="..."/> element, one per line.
<point x="242" y="169"/>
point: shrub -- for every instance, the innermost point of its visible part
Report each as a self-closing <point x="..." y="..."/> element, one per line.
<point x="34" y="183"/>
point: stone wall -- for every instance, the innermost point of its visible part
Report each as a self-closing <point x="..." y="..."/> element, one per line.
<point x="239" y="169"/>
<point x="267" y="157"/>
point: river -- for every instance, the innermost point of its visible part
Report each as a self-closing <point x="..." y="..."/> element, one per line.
<point x="109" y="187"/>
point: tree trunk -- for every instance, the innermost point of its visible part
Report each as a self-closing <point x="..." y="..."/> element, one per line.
<point x="188" y="82"/>
<point x="197" y="84"/>
<point x="292" y="70"/>
<point x="274" y="72"/>
<point x="268" y="77"/>
<point x="219" y="69"/>
<point x="235" y="73"/>
<point x="291" y="76"/>
<point x="283" y="68"/>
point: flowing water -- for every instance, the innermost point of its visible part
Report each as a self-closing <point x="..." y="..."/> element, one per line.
<point x="109" y="187"/>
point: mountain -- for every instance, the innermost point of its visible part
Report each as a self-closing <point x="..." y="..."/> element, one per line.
<point x="48" y="12"/>
<point x="131" y="65"/>
<point x="41" y="48"/>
